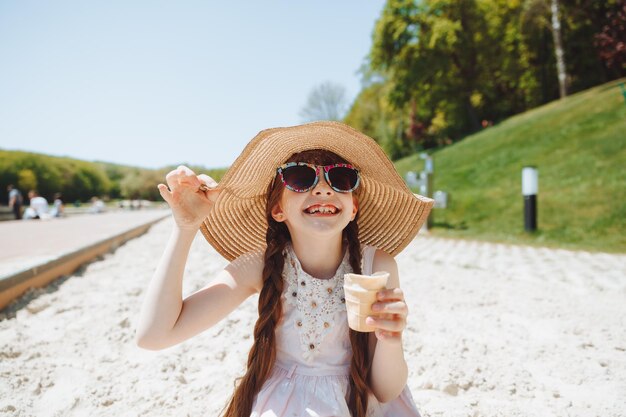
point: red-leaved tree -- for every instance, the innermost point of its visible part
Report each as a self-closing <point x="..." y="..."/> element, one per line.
<point x="611" y="41"/>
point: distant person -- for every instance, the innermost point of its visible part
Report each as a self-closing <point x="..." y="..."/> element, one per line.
<point x="38" y="207"/>
<point x="58" y="208"/>
<point x="15" y="201"/>
<point x="97" y="205"/>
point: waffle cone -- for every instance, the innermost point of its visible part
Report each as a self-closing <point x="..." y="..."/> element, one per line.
<point x="360" y="293"/>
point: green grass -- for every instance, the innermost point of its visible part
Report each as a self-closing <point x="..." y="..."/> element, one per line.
<point x="578" y="145"/>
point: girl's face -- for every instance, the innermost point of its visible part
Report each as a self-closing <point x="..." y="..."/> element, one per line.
<point x="321" y="211"/>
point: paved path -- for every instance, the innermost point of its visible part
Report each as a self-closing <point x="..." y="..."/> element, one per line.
<point x="25" y="244"/>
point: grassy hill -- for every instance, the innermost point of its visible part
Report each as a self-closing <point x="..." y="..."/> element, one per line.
<point x="578" y="145"/>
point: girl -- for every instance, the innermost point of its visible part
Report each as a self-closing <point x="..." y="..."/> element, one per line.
<point x="299" y="207"/>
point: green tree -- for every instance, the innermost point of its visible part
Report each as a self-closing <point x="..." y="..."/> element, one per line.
<point x="430" y="52"/>
<point x="373" y="115"/>
<point x="26" y="180"/>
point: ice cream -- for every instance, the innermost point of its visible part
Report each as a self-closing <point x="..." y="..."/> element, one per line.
<point x="360" y="293"/>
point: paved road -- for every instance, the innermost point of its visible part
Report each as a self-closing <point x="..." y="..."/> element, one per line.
<point x="25" y="244"/>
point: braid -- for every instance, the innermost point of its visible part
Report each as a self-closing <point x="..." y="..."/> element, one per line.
<point x="263" y="352"/>
<point x="359" y="366"/>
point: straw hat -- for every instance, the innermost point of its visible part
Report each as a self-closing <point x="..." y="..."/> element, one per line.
<point x="390" y="215"/>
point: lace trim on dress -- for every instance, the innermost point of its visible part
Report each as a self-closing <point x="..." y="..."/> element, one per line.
<point x="318" y="302"/>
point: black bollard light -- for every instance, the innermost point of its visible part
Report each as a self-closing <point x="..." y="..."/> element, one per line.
<point x="530" y="186"/>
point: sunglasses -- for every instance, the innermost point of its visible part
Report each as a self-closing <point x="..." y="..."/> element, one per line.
<point x="301" y="177"/>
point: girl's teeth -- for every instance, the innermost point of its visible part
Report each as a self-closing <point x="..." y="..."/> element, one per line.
<point x="321" y="210"/>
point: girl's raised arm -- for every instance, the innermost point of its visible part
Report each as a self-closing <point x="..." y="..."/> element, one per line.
<point x="166" y="319"/>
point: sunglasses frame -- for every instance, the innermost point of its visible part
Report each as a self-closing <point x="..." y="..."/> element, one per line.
<point x="327" y="168"/>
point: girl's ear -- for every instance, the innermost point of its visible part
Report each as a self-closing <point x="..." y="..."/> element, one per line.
<point x="277" y="213"/>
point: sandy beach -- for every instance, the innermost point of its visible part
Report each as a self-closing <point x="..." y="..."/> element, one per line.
<point x="493" y="330"/>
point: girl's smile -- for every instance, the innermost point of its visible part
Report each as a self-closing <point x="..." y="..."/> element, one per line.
<point x="322" y="210"/>
<point x="320" y="204"/>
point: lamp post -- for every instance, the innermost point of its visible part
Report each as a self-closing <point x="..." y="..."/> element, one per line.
<point x="426" y="187"/>
<point x="423" y="180"/>
<point x="530" y="187"/>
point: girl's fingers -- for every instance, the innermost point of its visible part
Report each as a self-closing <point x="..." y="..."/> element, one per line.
<point x="181" y="176"/>
<point x="396" y="325"/>
<point x="211" y="191"/>
<point x="390" y="294"/>
<point x="185" y="171"/>
<point x="208" y="181"/>
<point x="165" y="193"/>
<point x="394" y="307"/>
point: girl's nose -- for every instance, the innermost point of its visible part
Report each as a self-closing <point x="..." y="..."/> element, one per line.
<point x="322" y="187"/>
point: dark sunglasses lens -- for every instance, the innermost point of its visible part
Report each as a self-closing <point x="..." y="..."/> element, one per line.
<point x="343" y="178"/>
<point x="299" y="177"/>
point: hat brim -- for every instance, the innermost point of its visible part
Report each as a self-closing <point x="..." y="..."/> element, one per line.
<point x="390" y="215"/>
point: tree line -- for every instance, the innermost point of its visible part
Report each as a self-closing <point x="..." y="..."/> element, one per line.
<point x="79" y="180"/>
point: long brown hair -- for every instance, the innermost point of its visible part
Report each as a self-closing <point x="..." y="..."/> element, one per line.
<point x="263" y="352"/>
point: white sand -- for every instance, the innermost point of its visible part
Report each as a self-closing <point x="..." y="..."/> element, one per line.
<point x="493" y="330"/>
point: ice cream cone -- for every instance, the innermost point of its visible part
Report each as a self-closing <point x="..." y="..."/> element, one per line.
<point x="360" y="293"/>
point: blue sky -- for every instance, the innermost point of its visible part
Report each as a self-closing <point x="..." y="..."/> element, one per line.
<point x="152" y="83"/>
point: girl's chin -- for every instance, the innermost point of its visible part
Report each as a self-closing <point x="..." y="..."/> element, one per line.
<point x="322" y="225"/>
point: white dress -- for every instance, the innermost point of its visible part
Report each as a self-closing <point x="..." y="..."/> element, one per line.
<point x="311" y="374"/>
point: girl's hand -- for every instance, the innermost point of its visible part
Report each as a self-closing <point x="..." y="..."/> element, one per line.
<point x="190" y="205"/>
<point x="391" y="315"/>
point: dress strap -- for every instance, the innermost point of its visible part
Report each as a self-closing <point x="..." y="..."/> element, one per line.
<point x="368" y="259"/>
